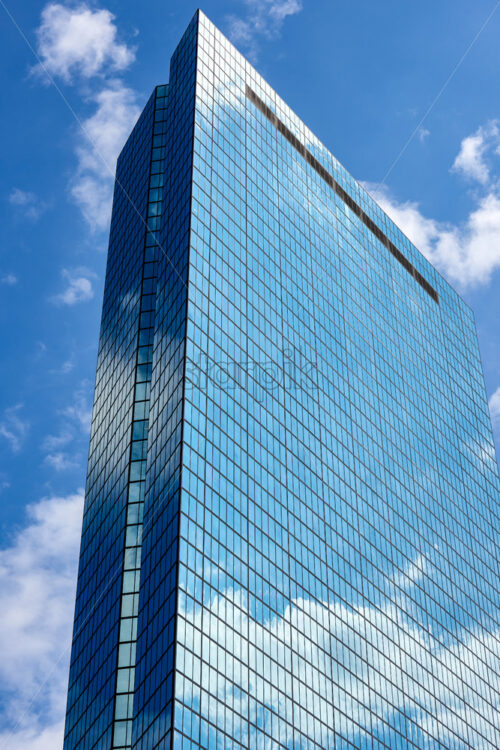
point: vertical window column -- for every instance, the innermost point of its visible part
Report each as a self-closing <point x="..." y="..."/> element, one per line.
<point x="124" y="698"/>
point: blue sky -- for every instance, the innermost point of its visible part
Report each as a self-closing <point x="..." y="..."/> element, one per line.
<point x="361" y="75"/>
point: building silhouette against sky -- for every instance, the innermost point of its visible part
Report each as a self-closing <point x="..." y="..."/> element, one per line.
<point x="291" y="516"/>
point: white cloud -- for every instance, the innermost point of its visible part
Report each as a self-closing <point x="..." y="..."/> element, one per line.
<point x="278" y="9"/>
<point x="29" y="204"/>
<point x="63" y="450"/>
<point x="34" y="738"/>
<point x="19" y="197"/>
<point x="80" y="411"/>
<point x="79" y="287"/>
<point x="471" y="160"/>
<point x="382" y="656"/>
<point x="494" y="404"/>
<point x="40" y="349"/>
<point x="57" y="458"/>
<point x="263" y="19"/>
<point x="37" y="593"/>
<point x="80" y="41"/>
<point x="9" y="279"/>
<point x="66" y="367"/>
<point x="413" y="573"/>
<point x="13" y="428"/>
<point x="422" y="134"/>
<point x="103" y="136"/>
<point x="61" y="461"/>
<point x="53" y="442"/>
<point x="467" y="253"/>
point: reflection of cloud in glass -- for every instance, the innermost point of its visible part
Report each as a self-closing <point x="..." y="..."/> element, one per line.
<point x="354" y="667"/>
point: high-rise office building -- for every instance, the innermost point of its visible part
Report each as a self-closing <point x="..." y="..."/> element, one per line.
<point x="289" y="535"/>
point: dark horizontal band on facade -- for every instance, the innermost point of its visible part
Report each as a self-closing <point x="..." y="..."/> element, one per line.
<point x="327" y="177"/>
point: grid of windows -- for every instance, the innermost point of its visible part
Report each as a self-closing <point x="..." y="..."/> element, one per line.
<point x="316" y="475"/>
<point x="92" y="680"/>
<point x="341" y="192"/>
<point x="337" y="532"/>
<point x="129" y="608"/>
<point x="157" y="599"/>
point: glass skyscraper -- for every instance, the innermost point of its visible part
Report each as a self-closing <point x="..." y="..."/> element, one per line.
<point x="290" y="534"/>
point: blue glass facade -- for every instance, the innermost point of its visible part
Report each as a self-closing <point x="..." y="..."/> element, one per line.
<point x="102" y="672"/>
<point x="291" y="524"/>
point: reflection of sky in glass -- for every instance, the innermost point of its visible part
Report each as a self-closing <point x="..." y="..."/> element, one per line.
<point x="338" y="557"/>
<point x="92" y="680"/>
<point x="364" y="665"/>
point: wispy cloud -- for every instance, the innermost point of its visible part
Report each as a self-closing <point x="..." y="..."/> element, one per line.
<point x="261" y="19"/>
<point x="61" y="461"/>
<point x="468" y="253"/>
<point x="63" y="450"/>
<point x="413" y="573"/>
<point x="494" y="404"/>
<point x="98" y="147"/>
<point x="40" y="350"/>
<point x="13" y="428"/>
<point x="37" y="590"/>
<point x="423" y="134"/>
<point x="78" y="287"/>
<point x="27" y="203"/>
<point x="81" y="409"/>
<point x="355" y="667"/>
<point x="79" y="45"/>
<point x="56" y="458"/>
<point x="66" y="367"/>
<point x="473" y="159"/>
<point x="9" y="279"/>
<point x="53" y="442"/>
<point x="77" y="41"/>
